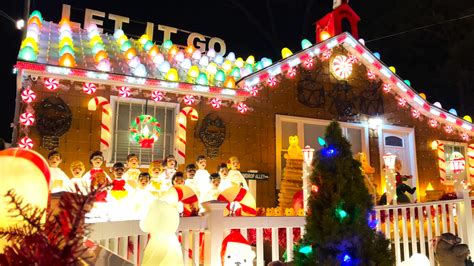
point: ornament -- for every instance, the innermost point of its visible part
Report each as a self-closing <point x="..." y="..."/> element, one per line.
<point x="271" y="81"/>
<point x="386" y="88"/>
<point x="189" y="99"/>
<point x="27" y="119"/>
<point x="145" y="130"/>
<point x="465" y="136"/>
<point x="242" y="107"/>
<point x="51" y="84"/>
<point x="433" y="123"/>
<point x="292" y="72"/>
<point x="308" y="63"/>
<point x="106" y="122"/>
<point x="341" y="67"/>
<point x="314" y="189"/>
<point x="212" y="134"/>
<point x="181" y="131"/>
<point x="457" y="162"/>
<point x="448" y="129"/>
<point x="157" y="96"/>
<point x="254" y="91"/>
<point x="285" y="52"/>
<point x="124" y="92"/>
<point x="321" y="142"/>
<point x="27" y="172"/>
<point x="89" y="88"/>
<point x="28" y="95"/>
<point x="353" y="59"/>
<point x="25" y="143"/>
<point x="326" y="55"/>
<point x="415" y="113"/>
<point x="402" y="102"/>
<point x="371" y="74"/>
<point x="216" y="103"/>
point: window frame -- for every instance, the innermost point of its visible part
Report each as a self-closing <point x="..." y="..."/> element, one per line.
<point x="300" y="122"/>
<point x="115" y="100"/>
<point x="450" y="182"/>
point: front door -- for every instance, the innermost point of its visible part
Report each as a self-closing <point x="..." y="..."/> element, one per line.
<point x="400" y="141"/>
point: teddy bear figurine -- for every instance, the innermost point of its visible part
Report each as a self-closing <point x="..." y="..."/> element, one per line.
<point x="289" y="212"/>
<point x="294" y="150"/>
<point x="449" y="251"/>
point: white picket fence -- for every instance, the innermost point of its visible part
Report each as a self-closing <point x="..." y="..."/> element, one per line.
<point x="408" y="235"/>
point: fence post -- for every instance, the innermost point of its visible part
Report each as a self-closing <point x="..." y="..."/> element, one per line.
<point x="214" y="233"/>
<point x="466" y="211"/>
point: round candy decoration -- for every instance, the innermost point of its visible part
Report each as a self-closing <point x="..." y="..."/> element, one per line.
<point x="51" y="84"/>
<point x="89" y="88"/>
<point x="27" y="119"/>
<point x="242" y="107"/>
<point x="341" y="67"/>
<point x="216" y="103"/>
<point x="25" y="143"/>
<point x="157" y="96"/>
<point x="189" y="99"/>
<point x="28" y="95"/>
<point x="125" y="92"/>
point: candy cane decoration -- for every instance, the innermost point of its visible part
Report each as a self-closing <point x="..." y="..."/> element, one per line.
<point x="470" y="160"/>
<point x="181" y="131"/>
<point x="441" y="161"/>
<point x="106" y="120"/>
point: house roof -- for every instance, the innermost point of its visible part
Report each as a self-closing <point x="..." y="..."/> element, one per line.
<point x="62" y="50"/>
<point x="392" y="82"/>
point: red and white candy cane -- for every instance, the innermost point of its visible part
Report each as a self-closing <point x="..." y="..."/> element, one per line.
<point x="105" y="125"/>
<point x="441" y="161"/>
<point x="470" y="160"/>
<point x="181" y="136"/>
<point x="51" y="84"/>
<point x="89" y="88"/>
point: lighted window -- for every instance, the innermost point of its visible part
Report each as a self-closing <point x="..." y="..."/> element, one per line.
<point x="126" y="109"/>
<point x="449" y="148"/>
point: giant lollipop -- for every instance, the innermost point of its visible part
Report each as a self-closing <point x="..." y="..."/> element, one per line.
<point x="26" y="172"/>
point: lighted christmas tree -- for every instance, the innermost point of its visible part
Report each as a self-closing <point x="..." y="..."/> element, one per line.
<point x="338" y="229"/>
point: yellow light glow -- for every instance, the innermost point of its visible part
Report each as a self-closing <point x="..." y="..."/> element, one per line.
<point x="63" y="21"/>
<point x="28" y="41"/>
<point x="122" y="39"/>
<point x="434" y="145"/>
<point x="130" y="53"/>
<point x="143" y="39"/>
<point x="250" y="60"/>
<point x="211" y="68"/>
<point x="94" y="40"/>
<point x="285" y="52"/>
<point x="422" y="95"/>
<point x="230" y="82"/>
<point x="172" y="75"/>
<point x="324" y="35"/>
<point x="190" y="50"/>
<point x="154" y="50"/>
<point x="467" y="118"/>
<point x="67" y="60"/>
<point x="393" y="69"/>
<point x="100" y="55"/>
<point x="227" y="65"/>
<point x="239" y="62"/>
<point x="193" y="72"/>
<point x="429" y="187"/>
<point x="145" y="131"/>
<point x="174" y="50"/>
<point x="34" y="20"/>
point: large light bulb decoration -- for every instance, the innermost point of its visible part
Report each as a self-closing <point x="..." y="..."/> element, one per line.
<point x="341" y="67"/>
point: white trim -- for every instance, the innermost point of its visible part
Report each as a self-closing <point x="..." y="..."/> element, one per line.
<point x="409" y="144"/>
<point x="300" y="122"/>
<point x="151" y="103"/>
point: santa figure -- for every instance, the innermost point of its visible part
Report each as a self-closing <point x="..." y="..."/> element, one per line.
<point x="236" y="250"/>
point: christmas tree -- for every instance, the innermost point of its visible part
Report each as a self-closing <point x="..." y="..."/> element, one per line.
<point x="338" y="228"/>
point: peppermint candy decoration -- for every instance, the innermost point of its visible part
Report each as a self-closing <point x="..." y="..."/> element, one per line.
<point x="309" y="63"/>
<point x="433" y="123"/>
<point x="371" y="74"/>
<point x="465" y="136"/>
<point x="292" y="72"/>
<point x="326" y="54"/>
<point x="51" y="84"/>
<point x="125" y="92"/>
<point x="28" y="95"/>
<point x="189" y="99"/>
<point x="402" y="102"/>
<point x="89" y="88"/>
<point x="415" y="113"/>
<point x="272" y="81"/>
<point x="27" y="119"/>
<point x="386" y="88"/>
<point x="352" y="59"/>
<point x="216" y="103"/>
<point x="25" y="143"/>
<point x="242" y="108"/>
<point x="448" y="129"/>
<point x="254" y="91"/>
<point x="157" y="96"/>
<point x="341" y="67"/>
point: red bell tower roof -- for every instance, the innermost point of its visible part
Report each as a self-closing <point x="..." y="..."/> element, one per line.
<point x="331" y="24"/>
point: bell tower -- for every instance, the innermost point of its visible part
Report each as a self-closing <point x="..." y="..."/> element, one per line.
<point x="332" y="23"/>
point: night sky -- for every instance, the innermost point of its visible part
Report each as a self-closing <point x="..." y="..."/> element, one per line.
<point x="436" y="59"/>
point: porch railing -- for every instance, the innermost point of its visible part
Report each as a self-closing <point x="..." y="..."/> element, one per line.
<point x="410" y="227"/>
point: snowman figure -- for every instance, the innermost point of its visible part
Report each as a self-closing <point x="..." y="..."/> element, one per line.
<point x="236" y="250"/>
<point x="163" y="248"/>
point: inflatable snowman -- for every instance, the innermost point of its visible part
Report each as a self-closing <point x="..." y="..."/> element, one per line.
<point x="163" y="248"/>
<point x="236" y="250"/>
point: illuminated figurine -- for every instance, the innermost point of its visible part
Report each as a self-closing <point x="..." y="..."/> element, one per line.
<point x="77" y="169"/>
<point x="96" y="160"/>
<point x="131" y="175"/>
<point x="401" y="186"/>
<point x="59" y="180"/>
<point x="178" y="179"/>
<point x="214" y="191"/>
<point x="234" y="176"/>
<point x="120" y="187"/>
<point x="142" y="196"/>
<point x="155" y="169"/>
<point x="201" y="177"/>
<point x="223" y="172"/>
<point x="167" y="174"/>
<point x="190" y="173"/>
<point x="294" y="150"/>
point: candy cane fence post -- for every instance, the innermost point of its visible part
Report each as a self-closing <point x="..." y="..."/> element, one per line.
<point x="105" y="125"/>
<point x="181" y="131"/>
<point x="470" y="160"/>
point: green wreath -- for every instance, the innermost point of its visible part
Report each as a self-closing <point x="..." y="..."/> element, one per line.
<point x="142" y="136"/>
